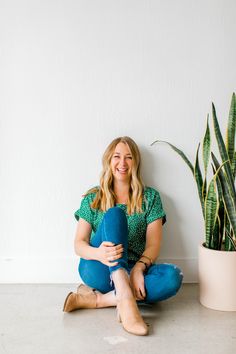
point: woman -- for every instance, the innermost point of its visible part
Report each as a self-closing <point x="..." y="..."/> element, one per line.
<point x="118" y="238"/>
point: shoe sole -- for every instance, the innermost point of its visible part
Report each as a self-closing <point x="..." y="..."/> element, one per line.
<point x="66" y="301"/>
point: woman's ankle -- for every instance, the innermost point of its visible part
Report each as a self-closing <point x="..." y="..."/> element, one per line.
<point x="121" y="282"/>
<point x="106" y="300"/>
<point x="124" y="292"/>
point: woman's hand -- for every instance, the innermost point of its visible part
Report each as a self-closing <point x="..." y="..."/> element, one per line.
<point x="137" y="282"/>
<point x="107" y="253"/>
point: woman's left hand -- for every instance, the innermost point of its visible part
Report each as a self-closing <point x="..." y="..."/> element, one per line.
<point x="137" y="282"/>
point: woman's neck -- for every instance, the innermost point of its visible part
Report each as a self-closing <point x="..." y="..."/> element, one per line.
<point x="121" y="191"/>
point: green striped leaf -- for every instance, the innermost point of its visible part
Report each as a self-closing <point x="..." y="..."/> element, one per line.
<point x="222" y="216"/>
<point x="227" y="230"/>
<point x="228" y="198"/>
<point x="215" y="236"/>
<point x="234" y="165"/>
<point x="230" y="134"/>
<point x="223" y="151"/>
<point x="179" y="152"/>
<point x="232" y="242"/>
<point x="219" y="189"/>
<point x="210" y="212"/>
<point x="198" y="178"/>
<point x="204" y="189"/>
<point x="206" y="147"/>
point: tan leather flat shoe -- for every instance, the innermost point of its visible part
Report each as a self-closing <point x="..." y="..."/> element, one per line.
<point x="83" y="299"/>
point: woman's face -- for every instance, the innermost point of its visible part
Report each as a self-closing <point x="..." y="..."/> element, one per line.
<point x="121" y="163"/>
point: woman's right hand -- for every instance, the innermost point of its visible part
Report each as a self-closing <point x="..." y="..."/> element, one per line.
<point x="107" y="253"/>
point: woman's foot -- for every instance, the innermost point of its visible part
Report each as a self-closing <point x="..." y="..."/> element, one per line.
<point x="127" y="308"/>
<point x="85" y="298"/>
<point x="103" y="300"/>
<point x="84" y="289"/>
<point x="132" y="321"/>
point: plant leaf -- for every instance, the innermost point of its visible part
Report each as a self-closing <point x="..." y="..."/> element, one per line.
<point x="227" y="230"/>
<point x="204" y="189"/>
<point x="230" y="134"/>
<point x="219" y="189"/>
<point x="206" y="148"/>
<point x="234" y="165"/>
<point x="222" y="150"/>
<point x="215" y="236"/>
<point x="179" y="152"/>
<point x="222" y="216"/>
<point x="231" y="240"/>
<point x="228" y="198"/>
<point x="210" y="212"/>
<point x="198" y="178"/>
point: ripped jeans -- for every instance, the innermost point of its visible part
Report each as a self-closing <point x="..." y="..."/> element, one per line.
<point x="161" y="280"/>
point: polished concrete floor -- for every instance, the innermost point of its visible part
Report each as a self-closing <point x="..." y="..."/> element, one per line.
<point x="32" y="322"/>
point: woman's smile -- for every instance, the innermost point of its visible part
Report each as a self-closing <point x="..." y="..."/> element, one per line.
<point x="122" y="170"/>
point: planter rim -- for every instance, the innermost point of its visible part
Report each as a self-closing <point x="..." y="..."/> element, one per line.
<point x="210" y="249"/>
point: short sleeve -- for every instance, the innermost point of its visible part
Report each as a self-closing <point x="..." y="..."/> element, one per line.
<point x="155" y="210"/>
<point x="85" y="211"/>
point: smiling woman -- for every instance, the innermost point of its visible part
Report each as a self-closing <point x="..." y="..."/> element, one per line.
<point x="118" y="238"/>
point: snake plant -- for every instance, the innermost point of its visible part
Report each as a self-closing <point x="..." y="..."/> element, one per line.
<point x="218" y="196"/>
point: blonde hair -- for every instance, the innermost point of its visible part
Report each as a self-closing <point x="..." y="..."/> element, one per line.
<point x="105" y="197"/>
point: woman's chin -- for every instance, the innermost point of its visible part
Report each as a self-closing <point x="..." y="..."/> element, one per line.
<point x="122" y="178"/>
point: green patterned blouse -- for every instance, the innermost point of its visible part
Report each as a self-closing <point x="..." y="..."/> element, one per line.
<point x="137" y="222"/>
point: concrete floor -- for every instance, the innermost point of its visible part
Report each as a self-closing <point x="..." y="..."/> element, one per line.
<point x="32" y="322"/>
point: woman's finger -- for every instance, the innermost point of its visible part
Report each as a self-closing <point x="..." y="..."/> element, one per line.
<point x="107" y="243"/>
<point x="114" y="253"/>
<point x="113" y="258"/>
<point x="138" y="295"/>
<point x="111" y="264"/>
<point x="142" y="292"/>
<point x="115" y="249"/>
<point x="119" y="246"/>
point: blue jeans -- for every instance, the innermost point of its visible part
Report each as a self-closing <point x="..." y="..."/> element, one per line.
<point x="161" y="280"/>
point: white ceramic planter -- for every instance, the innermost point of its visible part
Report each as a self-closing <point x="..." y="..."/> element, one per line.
<point x="217" y="279"/>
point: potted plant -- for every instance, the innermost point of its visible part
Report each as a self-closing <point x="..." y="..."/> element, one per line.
<point x="217" y="255"/>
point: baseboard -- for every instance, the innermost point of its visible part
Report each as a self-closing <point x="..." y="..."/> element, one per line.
<point x="39" y="270"/>
<point x="64" y="269"/>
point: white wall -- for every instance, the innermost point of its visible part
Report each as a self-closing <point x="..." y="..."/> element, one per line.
<point x="74" y="75"/>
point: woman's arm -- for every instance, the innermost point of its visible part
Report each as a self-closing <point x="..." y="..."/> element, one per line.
<point x="106" y="253"/>
<point x="152" y="249"/>
<point x="153" y="241"/>
<point x="81" y="243"/>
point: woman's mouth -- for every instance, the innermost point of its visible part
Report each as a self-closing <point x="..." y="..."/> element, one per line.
<point x="122" y="170"/>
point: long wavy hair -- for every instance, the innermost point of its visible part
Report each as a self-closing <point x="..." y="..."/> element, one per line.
<point x="105" y="197"/>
